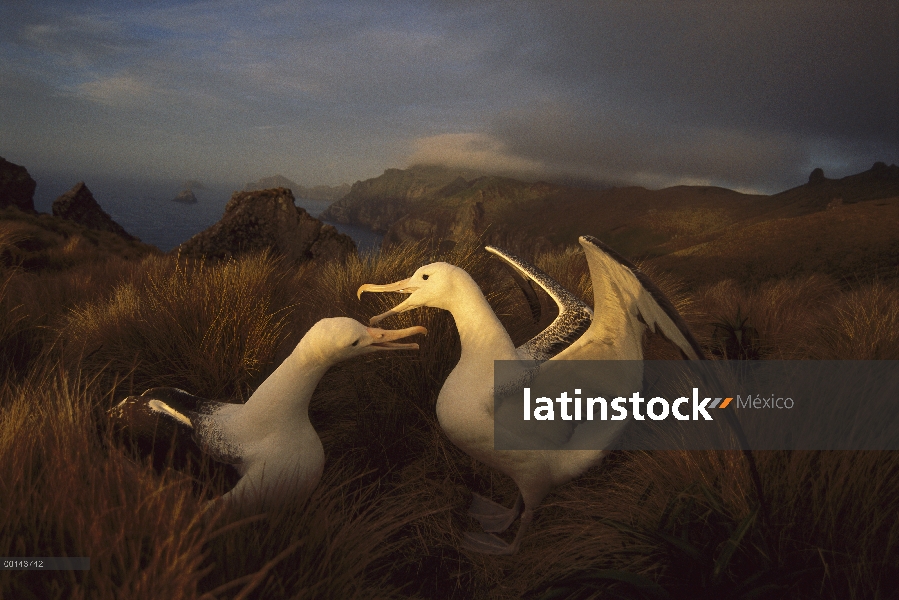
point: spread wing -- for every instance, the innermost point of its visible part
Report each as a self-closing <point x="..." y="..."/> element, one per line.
<point x="622" y="292"/>
<point x="574" y="316"/>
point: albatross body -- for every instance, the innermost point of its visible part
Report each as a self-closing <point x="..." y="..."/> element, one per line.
<point x="269" y="439"/>
<point x="626" y="303"/>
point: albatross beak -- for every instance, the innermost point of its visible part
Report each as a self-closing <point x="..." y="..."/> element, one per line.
<point x="384" y="337"/>
<point x="402" y="287"/>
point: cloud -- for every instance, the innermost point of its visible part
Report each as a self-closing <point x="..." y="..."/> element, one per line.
<point x="554" y="140"/>
<point x="118" y="91"/>
<point x="476" y="151"/>
<point x="747" y="94"/>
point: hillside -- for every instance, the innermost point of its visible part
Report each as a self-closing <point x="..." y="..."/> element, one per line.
<point x="42" y="242"/>
<point x="851" y="242"/>
<point x="380" y="202"/>
<point x="316" y="192"/>
<point x="698" y="226"/>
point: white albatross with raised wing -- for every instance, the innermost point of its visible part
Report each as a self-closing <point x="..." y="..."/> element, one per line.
<point x="625" y="304"/>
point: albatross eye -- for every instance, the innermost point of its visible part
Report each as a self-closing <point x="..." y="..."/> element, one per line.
<point x="356" y="343"/>
<point x="425" y="277"/>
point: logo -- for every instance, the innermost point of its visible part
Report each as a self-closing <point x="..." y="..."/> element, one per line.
<point x="657" y="408"/>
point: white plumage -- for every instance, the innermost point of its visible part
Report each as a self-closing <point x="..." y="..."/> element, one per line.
<point x="625" y="304"/>
<point x="269" y="439"/>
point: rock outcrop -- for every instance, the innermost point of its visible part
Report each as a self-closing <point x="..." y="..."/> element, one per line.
<point x="268" y="219"/>
<point x="185" y="197"/>
<point x="79" y="205"/>
<point x="16" y="186"/>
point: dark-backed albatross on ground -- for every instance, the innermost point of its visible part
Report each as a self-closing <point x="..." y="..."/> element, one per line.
<point x="626" y="303"/>
<point x="269" y="438"/>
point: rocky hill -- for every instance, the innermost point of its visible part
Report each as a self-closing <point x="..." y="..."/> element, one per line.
<point x="268" y="219"/>
<point x="847" y="227"/>
<point x="317" y="192"/>
<point x="680" y="222"/>
<point x="80" y="206"/>
<point x="380" y="202"/>
<point x="16" y="186"/>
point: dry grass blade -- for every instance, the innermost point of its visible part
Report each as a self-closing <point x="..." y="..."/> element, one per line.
<point x="387" y="518"/>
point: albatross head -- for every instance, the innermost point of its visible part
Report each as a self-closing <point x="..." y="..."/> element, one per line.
<point x="435" y="285"/>
<point x="341" y="338"/>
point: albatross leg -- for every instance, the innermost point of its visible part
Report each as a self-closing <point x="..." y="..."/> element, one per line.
<point x="488" y="543"/>
<point x="493" y="517"/>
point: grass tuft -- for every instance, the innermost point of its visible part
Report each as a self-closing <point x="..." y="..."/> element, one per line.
<point x="387" y="518"/>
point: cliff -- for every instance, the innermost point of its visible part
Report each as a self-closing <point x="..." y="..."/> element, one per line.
<point x="380" y="202"/>
<point x="438" y="203"/>
<point x="268" y="219"/>
<point x="16" y="186"/>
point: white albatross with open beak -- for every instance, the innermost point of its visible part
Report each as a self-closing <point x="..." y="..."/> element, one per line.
<point x="269" y="438"/>
<point x="625" y="304"/>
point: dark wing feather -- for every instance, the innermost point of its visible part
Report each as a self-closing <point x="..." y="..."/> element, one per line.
<point x="574" y="316"/>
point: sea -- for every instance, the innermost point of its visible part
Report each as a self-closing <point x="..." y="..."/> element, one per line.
<point x="146" y="208"/>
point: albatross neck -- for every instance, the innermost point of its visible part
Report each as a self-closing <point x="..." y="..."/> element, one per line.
<point x="287" y="392"/>
<point x="482" y="334"/>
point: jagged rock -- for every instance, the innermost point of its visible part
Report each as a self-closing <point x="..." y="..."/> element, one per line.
<point x="79" y="205"/>
<point x="16" y="186"/>
<point x="185" y="197"/>
<point x="268" y="219"/>
<point x="816" y="176"/>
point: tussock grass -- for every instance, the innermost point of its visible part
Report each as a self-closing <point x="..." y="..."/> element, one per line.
<point x="33" y="306"/>
<point x="45" y="243"/>
<point x="66" y="495"/>
<point x="387" y="518"/>
<point x="209" y="329"/>
<point x="785" y="313"/>
<point x="863" y="324"/>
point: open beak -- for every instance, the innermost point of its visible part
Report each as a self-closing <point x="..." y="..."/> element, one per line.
<point x="384" y="338"/>
<point x="402" y="287"/>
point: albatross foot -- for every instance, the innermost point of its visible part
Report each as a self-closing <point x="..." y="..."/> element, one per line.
<point x="487" y="543"/>
<point x="493" y="517"/>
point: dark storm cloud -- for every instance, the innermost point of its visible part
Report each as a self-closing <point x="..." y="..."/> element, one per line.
<point x="751" y="95"/>
<point x="811" y="67"/>
<point x="736" y="93"/>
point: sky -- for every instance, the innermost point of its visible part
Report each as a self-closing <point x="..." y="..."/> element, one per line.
<point x="748" y="95"/>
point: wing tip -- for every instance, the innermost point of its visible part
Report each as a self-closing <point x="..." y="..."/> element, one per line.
<point x="589" y="242"/>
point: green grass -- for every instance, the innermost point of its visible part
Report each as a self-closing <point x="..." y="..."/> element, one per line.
<point x="387" y="518"/>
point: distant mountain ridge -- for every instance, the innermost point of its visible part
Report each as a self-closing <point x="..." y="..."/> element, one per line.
<point x="444" y="204"/>
<point x="380" y="202"/>
<point x="318" y="192"/>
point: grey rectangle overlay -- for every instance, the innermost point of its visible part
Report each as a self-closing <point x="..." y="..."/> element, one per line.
<point x="683" y="405"/>
<point x="46" y="563"/>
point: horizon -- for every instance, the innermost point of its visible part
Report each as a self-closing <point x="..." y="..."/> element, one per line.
<point x="326" y="93"/>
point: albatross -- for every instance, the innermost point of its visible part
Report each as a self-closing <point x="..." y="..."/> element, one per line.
<point x="269" y="438"/>
<point x="626" y="304"/>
